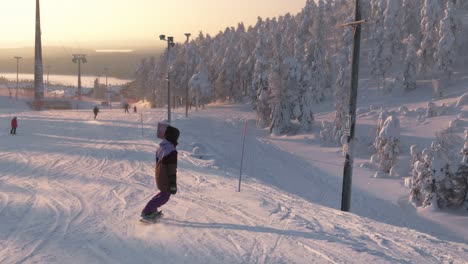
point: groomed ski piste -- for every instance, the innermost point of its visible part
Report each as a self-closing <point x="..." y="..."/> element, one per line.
<point x="72" y="189"/>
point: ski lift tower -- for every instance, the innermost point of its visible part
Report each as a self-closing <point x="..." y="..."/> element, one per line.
<point x="38" y="70"/>
<point x="79" y="58"/>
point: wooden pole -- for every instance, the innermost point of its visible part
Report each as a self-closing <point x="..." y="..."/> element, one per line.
<point x="348" y="167"/>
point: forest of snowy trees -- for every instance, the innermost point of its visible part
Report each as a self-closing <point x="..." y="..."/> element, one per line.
<point x="285" y="65"/>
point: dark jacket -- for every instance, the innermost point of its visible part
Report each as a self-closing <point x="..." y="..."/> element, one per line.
<point x="166" y="172"/>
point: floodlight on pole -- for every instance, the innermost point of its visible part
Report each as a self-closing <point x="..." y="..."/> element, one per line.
<point x="170" y="43"/>
<point x="48" y="71"/>
<point x="79" y="58"/>
<point x="186" y="75"/>
<point x="17" y="75"/>
<point x="107" y="86"/>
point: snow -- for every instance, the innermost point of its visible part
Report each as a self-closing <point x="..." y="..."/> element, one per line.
<point x="72" y="188"/>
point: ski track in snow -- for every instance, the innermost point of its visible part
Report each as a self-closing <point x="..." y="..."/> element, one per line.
<point x="71" y="191"/>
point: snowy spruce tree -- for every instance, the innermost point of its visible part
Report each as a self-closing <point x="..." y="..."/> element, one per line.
<point x="387" y="144"/>
<point x="445" y="55"/>
<point x="459" y="192"/>
<point x="411" y="15"/>
<point x="392" y="31"/>
<point x="379" y="56"/>
<point x="335" y="131"/>
<point x="422" y="185"/>
<point x="281" y="111"/>
<point x="410" y="64"/>
<point x="260" y="86"/>
<point x="430" y="14"/>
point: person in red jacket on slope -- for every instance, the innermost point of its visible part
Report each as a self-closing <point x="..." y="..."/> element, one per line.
<point x="14" y="125"/>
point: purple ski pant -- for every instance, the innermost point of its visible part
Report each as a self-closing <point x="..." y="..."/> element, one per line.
<point x="157" y="201"/>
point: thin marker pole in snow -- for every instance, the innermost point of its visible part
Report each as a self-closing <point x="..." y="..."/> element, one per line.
<point x="348" y="167"/>
<point x="141" y="114"/>
<point x="242" y="157"/>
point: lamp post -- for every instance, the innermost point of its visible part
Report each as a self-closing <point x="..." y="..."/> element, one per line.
<point x="170" y="43"/>
<point x="48" y="71"/>
<point x="17" y="75"/>
<point x="48" y="83"/>
<point x="186" y="75"/>
<point x="79" y="58"/>
<point x="97" y="90"/>
<point x="107" y="86"/>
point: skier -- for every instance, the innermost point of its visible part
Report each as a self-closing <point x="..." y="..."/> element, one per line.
<point x="166" y="174"/>
<point x="126" y="108"/>
<point x="96" y="111"/>
<point x="14" y="125"/>
<point x="134" y="109"/>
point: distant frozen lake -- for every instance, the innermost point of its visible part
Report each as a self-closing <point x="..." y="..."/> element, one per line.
<point x="68" y="80"/>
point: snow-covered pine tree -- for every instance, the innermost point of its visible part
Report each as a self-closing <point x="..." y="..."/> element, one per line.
<point x="415" y="157"/>
<point x="410" y="70"/>
<point x="430" y="14"/>
<point x="247" y="62"/>
<point x="441" y="175"/>
<point x="411" y="15"/>
<point x="445" y="55"/>
<point x="378" y="56"/>
<point x="421" y="181"/>
<point x="281" y="111"/>
<point x="260" y="85"/>
<point x="459" y="181"/>
<point x="387" y="143"/>
<point x="392" y="30"/>
<point x="341" y="93"/>
<point x="200" y="86"/>
<point x="426" y="181"/>
<point x="462" y="173"/>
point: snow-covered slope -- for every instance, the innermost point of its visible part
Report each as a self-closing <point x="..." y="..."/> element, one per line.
<point x="72" y="188"/>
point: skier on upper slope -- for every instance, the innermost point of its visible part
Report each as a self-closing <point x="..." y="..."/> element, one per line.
<point x="14" y="125"/>
<point x="95" y="111"/>
<point x="165" y="175"/>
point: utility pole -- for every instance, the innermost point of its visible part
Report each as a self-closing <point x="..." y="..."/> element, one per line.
<point x="38" y="69"/>
<point x="48" y="71"/>
<point x="348" y="167"/>
<point x="17" y="75"/>
<point x="170" y="43"/>
<point x="186" y="75"/>
<point x="97" y="90"/>
<point x="107" y="87"/>
<point x="79" y="58"/>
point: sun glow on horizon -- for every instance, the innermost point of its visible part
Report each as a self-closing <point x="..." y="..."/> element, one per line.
<point x="114" y="23"/>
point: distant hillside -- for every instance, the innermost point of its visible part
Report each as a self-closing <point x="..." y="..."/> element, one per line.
<point x="121" y="65"/>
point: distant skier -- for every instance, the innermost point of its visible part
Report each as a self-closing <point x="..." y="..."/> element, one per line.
<point x="14" y="125"/>
<point x="126" y="108"/>
<point x="95" y="111"/>
<point x="134" y="109"/>
<point x="166" y="174"/>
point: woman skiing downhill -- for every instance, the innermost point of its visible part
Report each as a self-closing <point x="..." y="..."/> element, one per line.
<point x="165" y="175"/>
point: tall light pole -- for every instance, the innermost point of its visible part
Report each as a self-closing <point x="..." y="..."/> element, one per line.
<point x="170" y="43"/>
<point x="48" y="71"/>
<point x="17" y="75"/>
<point x="107" y="87"/>
<point x="98" y="88"/>
<point x="186" y="75"/>
<point x="348" y="167"/>
<point x="79" y="58"/>
<point x="38" y="69"/>
<point x="48" y="83"/>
